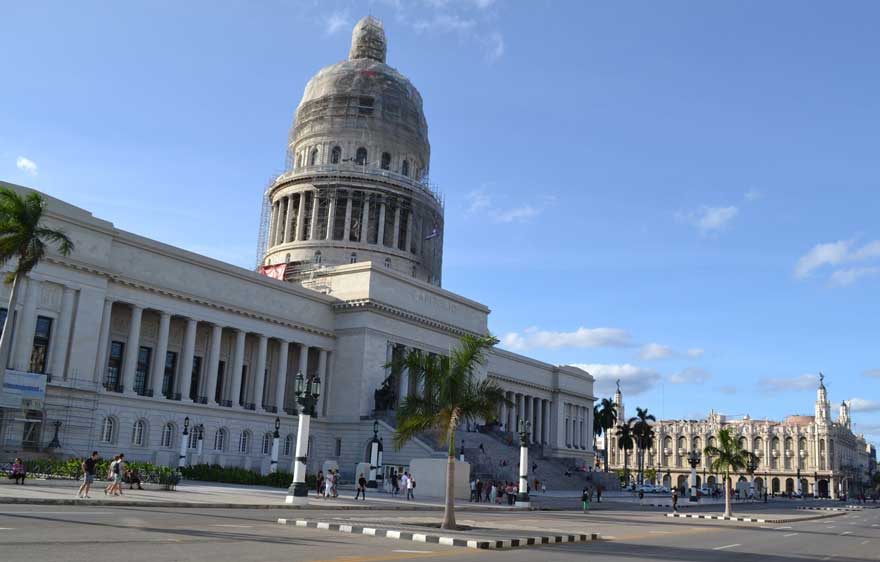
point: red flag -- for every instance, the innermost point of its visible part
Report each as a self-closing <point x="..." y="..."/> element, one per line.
<point x="274" y="271"/>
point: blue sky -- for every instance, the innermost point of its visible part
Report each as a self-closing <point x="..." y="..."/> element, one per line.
<point x="681" y="194"/>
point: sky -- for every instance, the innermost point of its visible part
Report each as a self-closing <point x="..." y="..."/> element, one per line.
<point x="681" y="195"/>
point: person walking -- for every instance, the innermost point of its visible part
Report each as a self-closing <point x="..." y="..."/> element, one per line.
<point x="598" y="494"/>
<point x="361" y="487"/>
<point x="319" y="480"/>
<point x="493" y="493"/>
<point x="511" y="493"/>
<point x="585" y="499"/>
<point x="410" y="488"/>
<point x="479" y="490"/>
<point x="675" y="500"/>
<point x="18" y="472"/>
<point x="88" y="467"/>
<point x="395" y="484"/>
<point x="473" y="489"/>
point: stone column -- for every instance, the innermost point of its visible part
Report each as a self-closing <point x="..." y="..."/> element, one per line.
<point x="286" y="228"/>
<point x="409" y="232"/>
<point x="575" y="428"/>
<point x="281" y="224"/>
<point x="365" y="219"/>
<point x="322" y="369"/>
<point x="346" y="230"/>
<point x="502" y="414"/>
<point x="381" y="232"/>
<point x="520" y="410"/>
<point x="186" y="365"/>
<point x="62" y="334"/>
<point x="23" y="334"/>
<point x="539" y="421"/>
<point x="546" y="423"/>
<point x="300" y="215"/>
<point x="331" y="216"/>
<point x="313" y="227"/>
<point x="396" y="238"/>
<point x="281" y="376"/>
<point x="131" y="349"/>
<point x="404" y="382"/>
<point x="158" y="371"/>
<point x="303" y="360"/>
<point x="260" y="373"/>
<point x="237" y="365"/>
<point x="210" y="386"/>
<point x="103" y="342"/>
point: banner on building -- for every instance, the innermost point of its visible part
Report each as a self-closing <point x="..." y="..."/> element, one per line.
<point x="274" y="271"/>
<point x="20" y="387"/>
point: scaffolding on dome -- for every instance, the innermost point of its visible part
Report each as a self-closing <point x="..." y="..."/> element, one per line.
<point x="263" y="232"/>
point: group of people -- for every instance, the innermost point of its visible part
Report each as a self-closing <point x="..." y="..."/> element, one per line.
<point x="404" y="481"/>
<point x="328" y="485"/>
<point x="493" y="492"/>
<point x="117" y="473"/>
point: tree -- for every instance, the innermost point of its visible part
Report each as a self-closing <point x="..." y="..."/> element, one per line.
<point x="726" y="458"/>
<point x="644" y="437"/>
<point x="626" y="442"/>
<point x="605" y="417"/>
<point x="452" y="394"/>
<point x="23" y="239"/>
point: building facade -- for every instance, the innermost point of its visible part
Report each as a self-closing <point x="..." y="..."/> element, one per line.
<point x="801" y="454"/>
<point x="131" y="336"/>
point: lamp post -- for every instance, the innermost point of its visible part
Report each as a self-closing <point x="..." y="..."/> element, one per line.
<point x="273" y="464"/>
<point x="694" y="460"/>
<point x="752" y="466"/>
<point x="461" y="452"/>
<point x="522" y="498"/>
<point x="800" y="484"/>
<point x="374" y="456"/>
<point x="307" y="393"/>
<point x="200" y="437"/>
<point x="184" y="442"/>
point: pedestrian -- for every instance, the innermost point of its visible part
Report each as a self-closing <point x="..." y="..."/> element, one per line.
<point x="335" y="487"/>
<point x="479" y="490"/>
<point x="319" y="482"/>
<point x="88" y="467"/>
<point x="410" y="488"/>
<point x="395" y="484"/>
<point x="510" y="493"/>
<point x="585" y="499"/>
<point x="482" y="450"/>
<point x="675" y="500"/>
<point x="488" y="488"/>
<point x="18" y="472"/>
<point x="598" y="494"/>
<point x="543" y="488"/>
<point x="493" y="493"/>
<point x="134" y="479"/>
<point x="473" y="490"/>
<point x="361" y="487"/>
<point x="328" y="484"/>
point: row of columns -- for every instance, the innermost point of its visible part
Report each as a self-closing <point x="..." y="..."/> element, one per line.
<point x="577" y="426"/>
<point x="764" y="450"/>
<point x="231" y="391"/>
<point x="530" y="408"/>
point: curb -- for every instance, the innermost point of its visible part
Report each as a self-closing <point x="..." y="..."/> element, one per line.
<point x="843" y="508"/>
<point x="482" y="544"/>
<point x="749" y="519"/>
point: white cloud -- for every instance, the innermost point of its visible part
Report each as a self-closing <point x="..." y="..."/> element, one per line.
<point x="336" y="21"/>
<point x="494" y="46"/>
<point x="709" y="219"/>
<point x="532" y="338"/>
<point x="633" y="379"/>
<point x="691" y="375"/>
<point x="839" y="253"/>
<point x="863" y="405"/>
<point x="480" y="202"/>
<point x="26" y="165"/>
<point x="753" y="194"/>
<point x="846" y="277"/>
<point x="695" y="352"/>
<point x="831" y="253"/>
<point x="874" y="373"/>
<point x="776" y="384"/>
<point x="653" y="351"/>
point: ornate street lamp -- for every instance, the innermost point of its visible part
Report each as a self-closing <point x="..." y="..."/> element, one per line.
<point x="200" y="439"/>
<point x="522" y="498"/>
<point x="694" y="460"/>
<point x="374" y="456"/>
<point x="307" y="394"/>
<point x="751" y="467"/>
<point x="55" y="443"/>
<point x="184" y="442"/>
<point x="273" y="463"/>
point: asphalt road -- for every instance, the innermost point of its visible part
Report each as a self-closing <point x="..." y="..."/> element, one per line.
<point x="98" y="534"/>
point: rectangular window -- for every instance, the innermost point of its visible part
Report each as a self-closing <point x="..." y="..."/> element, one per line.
<point x="114" y="366"/>
<point x="168" y="377"/>
<point x="41" y="345"/>
<point x="242" y="391"/>
<point x="218" y="391"/>
<point x="196" y="376"/>
<point x="365" y="105"/>
<point x="142" y="369"/>
<point x="338" y="447"/>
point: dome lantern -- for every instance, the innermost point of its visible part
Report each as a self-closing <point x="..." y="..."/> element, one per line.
<point x="368" y="40"/>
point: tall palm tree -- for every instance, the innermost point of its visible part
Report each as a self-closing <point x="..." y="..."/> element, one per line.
<point x="626" y="442"/>
<point x="451" y="395"/>
<point x="644" y="436"/>
<point x="23" y="239"/>
<point x="606" y="418"/>
<point x="728" y="457"/>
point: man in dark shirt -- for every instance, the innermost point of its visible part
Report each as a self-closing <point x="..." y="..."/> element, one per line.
<point x="361" y="488"/>
<point x="88" y="468"/>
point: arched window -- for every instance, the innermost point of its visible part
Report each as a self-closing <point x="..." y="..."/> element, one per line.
<point x="244" y="442"/>
<point x="387" y="263"/>
<point x="353" y="258"/>
<point x="360" y="156"/>
<point x="335" y="155"/>
<point x="386" y="161"/>
<point x="288" y="446"/>
<point x="220" y="440"/>
<point x="267" y="443"/>
<point x="168" y="435"/>
<point x="313" y="157"/>
<point x="404" y="168"/>
<point x="108" y="430"/>
<point x="317" y="258"/>
<point x="137" y="433"/>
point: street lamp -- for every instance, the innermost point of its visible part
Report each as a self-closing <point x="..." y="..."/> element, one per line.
<point x="184" y="442"/>
<point x="751" y="467"/>
<point x="374" y="456"/>
<point x="461" y="452"/>
<point x="307" y="393"/>
<point x="200" y="436"/>
<point x="273" y="464"/>
<point x="522" y="498"/>
<point x="694" y="460"/>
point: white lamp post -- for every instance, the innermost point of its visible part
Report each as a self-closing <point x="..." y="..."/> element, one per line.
<point x="522" y="498"/>
<point x="273" y="464"/>
<point x="199" y="440"/>
<point x="184" y="443"/>
<point x="374" y="456"/>
<point x="694" y="460"/>
<point x="307" y="393"/>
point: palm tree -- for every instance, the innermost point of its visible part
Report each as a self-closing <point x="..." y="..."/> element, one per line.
<point x="728" y="457"/>
<point x="452" y="395"/>
<point x="644" y="436"/>
<point x="23" y="238"/>
<point x="625" y="441"/>
<point x="605" y="416"/>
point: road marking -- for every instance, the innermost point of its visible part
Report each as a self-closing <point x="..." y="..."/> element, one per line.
<point x="660" y="532"/>
<point x="55" y="512"/>
<point x="831" y="526"/>
<point x="789" y="535"/>
<point x="236" y="526"/>
<point x="399" y="556"/>
<point x="726" y="546"/>
<point x="7" y="528"/>
<point x="414" y="551"/>
<point x="846" y="533"/>
<point x="865" y="542"/>
<point x="780" y="528"/>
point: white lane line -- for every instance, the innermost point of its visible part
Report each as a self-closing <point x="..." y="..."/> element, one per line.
<point x="789" y="535"/>
<point x="55" y="513"/>
<point x="831" y="526"/>
<point x="413" y="551"/>
<point x="846" y="533"/>
<point x="780" y="528"/>
<point x="865" y="542"/>
<point x="726" y="546"/>
<point x="660" y="532"/>
<point x="7" y="528"/>
<point x="236" y="526"/>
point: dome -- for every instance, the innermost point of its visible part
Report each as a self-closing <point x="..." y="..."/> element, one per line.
<point x="368" y="40"/>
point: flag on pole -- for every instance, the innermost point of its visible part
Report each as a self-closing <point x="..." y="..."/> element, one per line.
<point x="434" y="234"/>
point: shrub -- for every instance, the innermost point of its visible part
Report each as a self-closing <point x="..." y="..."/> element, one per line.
<point x="235" y="475"/>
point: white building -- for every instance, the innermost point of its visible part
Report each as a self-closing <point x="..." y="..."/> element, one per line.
<point x="132" y="335"/>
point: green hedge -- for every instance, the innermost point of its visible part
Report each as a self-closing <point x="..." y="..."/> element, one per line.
<point x="72" y="468"/>
<point x="233" y="475"/>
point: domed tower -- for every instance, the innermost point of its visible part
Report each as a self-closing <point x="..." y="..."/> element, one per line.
<point x="823" y="407"/>
<point x="356" y="184"/>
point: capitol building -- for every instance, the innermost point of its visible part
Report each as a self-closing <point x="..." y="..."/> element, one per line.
<point x="813" y="455"/>
<point x="129" y="336"/>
